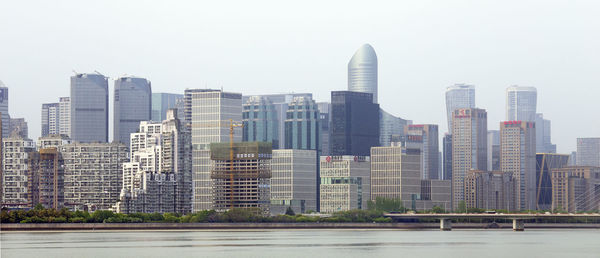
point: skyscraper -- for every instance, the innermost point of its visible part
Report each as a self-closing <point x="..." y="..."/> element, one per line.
<point x="18" y="126"/>
<point x="302" y="128"/>
<point x="517" y="156"/>
<point x="260" y="121"/>
<point x="493" y="149"/>
<point x="588" y="152"/>
<point x="459" y="96"/>
<point x="390" y="127"/>
<point x="16" y="182"/>
<point x="354" y="123"/>
<point x="293" y="181"/>
<point x="4" y="109"/>
<point x="133" y="97"/>
<point x="64" y="121"/>
<point x="447" y="156"/>
<point x="50" y="119"/>
<point x="521" y="103"/>
<point x="425" y="138"/>
<point x="545" y="163"/>
<point x="325" y="121"/>
<point x="543" y="135"/>
<point x="469" y="148"/>
<point x="89" y="108"/>
<point x="161" y="102"/>
<point x="362" y="71"/>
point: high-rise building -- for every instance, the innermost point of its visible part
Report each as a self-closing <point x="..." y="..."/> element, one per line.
<point x="588" y="152"/>
<point x="260" y="121"/>
<point x="517" y="156"/>
<point x="133" y="103"/>
<point x="64" y="120"/>
<point x="425" y="137"/>
<point x="493" y="150"/>
<point x="245" y="181"/>
<point x="390" y="128"/>
<point x="354" y="123"/>
<point x="46" y="172"/>
<point x="573" y="158"/>
<point x="18" y="126"/>
<point x="345" y="183"/>
<point x="50" y="119"/>
<point x="208" y="114"/>
<point x="469" y="148"/>
<point x="543" y="135"/>
<point x="302" y="128"/>
<point x="490" y="190"/>
<point x="576" y="189"/>
<point x="16" y="152"/>
<point x="93" y="174"/>
<point x="447" y="154"/>
<point x="521" y="103"/>
<point x="4" y="109"/>
<point x="293" y="181"/>
<point x="89" y="108"/>
<point x="362" y="71"/>
<point x="161" y="102"/>
<point x="325" y="122"/>
<point x="459" y="96"/>
<point x="545" y="162"/>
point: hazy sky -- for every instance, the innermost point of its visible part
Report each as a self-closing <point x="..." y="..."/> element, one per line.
<point x="304" y="46"/>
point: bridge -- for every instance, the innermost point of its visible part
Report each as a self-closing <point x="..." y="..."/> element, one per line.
<point x="517" y="218"/>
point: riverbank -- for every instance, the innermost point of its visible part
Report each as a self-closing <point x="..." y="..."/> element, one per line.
<point x="259" y="226"/>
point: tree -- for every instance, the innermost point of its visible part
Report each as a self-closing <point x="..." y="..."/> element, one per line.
<point x="462" y="207"/>
<point x="290" y="211"/>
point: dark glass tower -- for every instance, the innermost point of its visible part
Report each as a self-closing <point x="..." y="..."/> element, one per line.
<point x="354" y="123"/>
<point x="133" y="103"/>
<point x="89" y="108"/>
<point x="260" y="121"/>
<point x="302" y="125"/>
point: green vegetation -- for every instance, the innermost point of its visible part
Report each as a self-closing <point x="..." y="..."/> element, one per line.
<point x="386" y="205"/>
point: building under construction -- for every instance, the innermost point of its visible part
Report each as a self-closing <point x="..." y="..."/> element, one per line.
<point x="241" y="175"/>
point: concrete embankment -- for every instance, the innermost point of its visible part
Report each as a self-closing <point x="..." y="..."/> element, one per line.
<point x="262" y="226"/>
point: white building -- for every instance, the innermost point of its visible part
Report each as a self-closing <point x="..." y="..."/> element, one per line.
<point x="588" y="152"/>
<point x="345" y="183"/>
<point x="459" y="96"/>
<point x="362" y="71"/>
<point x="521" y="103"/>
<point x="64" y="121"/>
<point x="15" y="178"/>
<point x="293" y="181"/>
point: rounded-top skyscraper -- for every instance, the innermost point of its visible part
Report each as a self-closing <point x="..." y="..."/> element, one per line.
<point x="362" y="71"/>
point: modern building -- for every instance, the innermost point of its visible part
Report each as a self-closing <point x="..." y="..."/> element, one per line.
<point x="490" y="190"/>
<point x="302" y="125"/>
<point x="18" y="126"/>
<point x="161" y="102"/>
<point x="89" y="108"/>
<point x="543" y="135"/>
<point x="447" y="156"/>
<point x="362" y="71"/>
<point x="325" y="122"/>
<point x="261" y="122"/>
<point x="64" y="120"/>
<point x="16" y="152"/>
<point x="46" y="172"/>
<point x="469" y="148"/>
<point x="293" y="181"/>
<point x="517" y="156"/>
<point x="4" y="110"/>
<point x="132" y="104"/>
<point x="425" y="137"/>
<point x="545" y="163"/>
<point x="93" y="174"/>
<point x="493" y="148"/>
<point x="209" y="114"/>
<point x="573" y="158"/>
<point x="243" y="182"/>
<point x="50" y="119"/>
<point x="354" y="123"/>
<point x="390" y="128"/>
<point x="345" y="183"/>
<point x="395" y="173"/>
<point x="521" y="103"/>
<point x="588" y="152"/>
<point x="459" y="96"/>
<point x="576" y="189"/>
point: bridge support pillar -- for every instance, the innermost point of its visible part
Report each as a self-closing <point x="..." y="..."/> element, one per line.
<point x="518" y="225"/>
<point x="445" y="224"/>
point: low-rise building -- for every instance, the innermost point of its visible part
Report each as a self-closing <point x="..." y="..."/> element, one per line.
<point x="345" y="183"/>
<point x="576" y="189"/>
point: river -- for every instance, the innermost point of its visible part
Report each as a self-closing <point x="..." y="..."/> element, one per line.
<point x="303" y="243"/>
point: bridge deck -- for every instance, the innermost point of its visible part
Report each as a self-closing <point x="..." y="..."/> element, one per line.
<point x="489" y="216"/>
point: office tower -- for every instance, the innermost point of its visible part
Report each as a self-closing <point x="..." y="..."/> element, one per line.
<point x="208" y="114"/>
<point x="576" y="189"/>
<point x="345" y="183"/>
<point x="447" y="149"/>
<point x="161" y="102"/>
<point x="469" y="147"/>
<point x="133" y="103"/>
<point x="395" y="173"/>
<point x="260" y="121"/>
<point x="521" y="103"/>
<point x="89" y="108"/>
<point x="293" y="181"/>
<point x="4" y="109"/>
<point x="588" y="152"/>
<point x="517" y="156"/>
<point x="390" y="127"/>
<point x="545" y="162"/>
<point x="425" y="137"/>
<point x="18" y="126"/>
<point x="490" y="190"/>
<point x="354" y="123"/>
<point x="46" y="169"/>
<point x="325" y="121"/>
<point x="64" y="120"/>
<point x="543" y="136"/>
<point x="93" y="185"/>
<point x="573" y="158"/>
<point x="362" y="71"/>
<point x="242" y="182"/>
<point x="16" y="151"/>
<point x="493" y="150"/>
<point x="50" y="119"/>
<point x="302" y="125"/>
<point x="459" y="96"/>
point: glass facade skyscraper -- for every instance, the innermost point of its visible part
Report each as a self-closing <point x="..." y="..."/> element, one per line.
<point x="4" y="109"/>
<point x="459" y="96"/>
<point x="302" y="125"/>
<point x="161" y="102"/>
<point x="354" y="123"/>
<point x="362" y="71"/>
<point x="50" y="119"/>
<point x="89" y="108"/>
<point x="133" y="97"/>
<point x="260" y="121"/>
<point x="521" y="103"/>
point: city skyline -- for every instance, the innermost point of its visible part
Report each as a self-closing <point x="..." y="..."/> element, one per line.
<point x="404" y="61"/>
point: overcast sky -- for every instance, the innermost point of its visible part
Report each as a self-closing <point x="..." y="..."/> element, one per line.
<point x="258" y="47"/>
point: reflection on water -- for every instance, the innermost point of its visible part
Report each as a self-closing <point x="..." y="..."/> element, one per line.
<point x="303" y="243"/>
